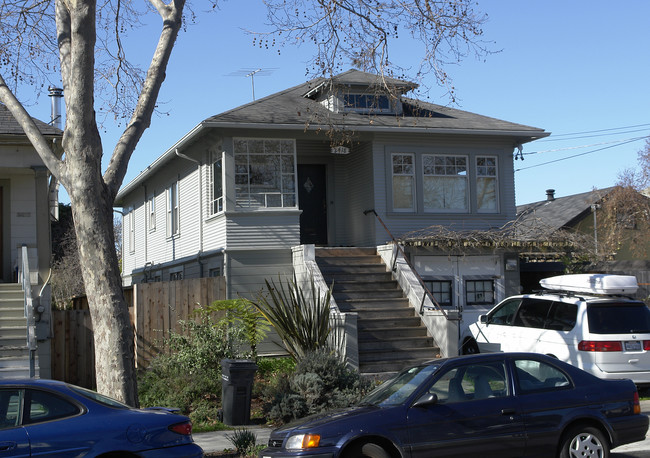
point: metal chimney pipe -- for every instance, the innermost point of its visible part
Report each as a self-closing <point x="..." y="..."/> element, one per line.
<point x="550" y="195"/>
<point x="56" y="94"/>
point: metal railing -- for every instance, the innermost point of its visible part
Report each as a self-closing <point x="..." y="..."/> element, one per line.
<point x="29" y="311"/>
<point x="427" y="292"/>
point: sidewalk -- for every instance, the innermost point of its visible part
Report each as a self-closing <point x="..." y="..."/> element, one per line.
<point x="216" y="441"/>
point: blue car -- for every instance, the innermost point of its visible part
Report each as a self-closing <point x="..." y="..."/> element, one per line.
<point x="490" y="405"/>
<point x="47" y="418"/>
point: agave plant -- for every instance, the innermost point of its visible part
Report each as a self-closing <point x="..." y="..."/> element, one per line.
<point x="301" y="318"/>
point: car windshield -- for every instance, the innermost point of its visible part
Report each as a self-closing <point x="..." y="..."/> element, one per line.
<point x="101" y="399"/>
<point x="620" y="318"/>
<point x="398" y="389"/>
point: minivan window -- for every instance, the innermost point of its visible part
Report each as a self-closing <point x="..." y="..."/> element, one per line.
<point x="562" y="317"/>
<point x="532" y="313"/>
<point x="505" y="313"/>
<point x="618" y="318"/>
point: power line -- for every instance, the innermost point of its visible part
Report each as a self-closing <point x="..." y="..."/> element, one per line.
<point x="586" y="146"/>
<point x="598" y="131"/>
<point x="578" y="155"/>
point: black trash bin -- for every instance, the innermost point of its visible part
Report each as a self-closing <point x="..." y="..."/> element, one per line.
<point x="236" y="385"/>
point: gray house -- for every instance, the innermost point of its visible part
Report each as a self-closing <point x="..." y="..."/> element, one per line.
<point x="282" y="184"/>
<point x="24" y="236"/>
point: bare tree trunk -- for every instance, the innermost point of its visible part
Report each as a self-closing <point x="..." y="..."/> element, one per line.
<point x="112" y="328"/>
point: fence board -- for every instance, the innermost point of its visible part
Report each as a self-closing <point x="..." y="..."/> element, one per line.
<point x="155" y="310"/>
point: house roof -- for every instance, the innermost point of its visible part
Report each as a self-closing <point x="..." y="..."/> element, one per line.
<point x="9" y="125"/>
<point x="296" y="109"/>
<point x="291" y="108"/>
<point x="548" y="216"/>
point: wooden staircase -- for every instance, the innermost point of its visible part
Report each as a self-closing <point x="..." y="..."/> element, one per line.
<point x="391" y="335"/>
<point x="14" y="353"/>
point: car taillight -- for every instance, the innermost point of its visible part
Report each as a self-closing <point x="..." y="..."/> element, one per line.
<point x="184" y="428"/>
<point x="600" y="345"/>
<point x="646" y="345"/>
<point x="636" y="405"/>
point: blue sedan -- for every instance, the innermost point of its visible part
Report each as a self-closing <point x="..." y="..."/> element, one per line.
<point x="494" y="405"/>
<point x="49" y="418"/>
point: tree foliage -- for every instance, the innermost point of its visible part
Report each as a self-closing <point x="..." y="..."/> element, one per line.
<point x="624" y="218"/>
<point x="85" y="42"/>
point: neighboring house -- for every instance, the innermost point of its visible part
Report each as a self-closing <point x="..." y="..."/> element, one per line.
<point x="581" y="214"/>
<point x="303" y="166"/>
<point x="25" y="222"/>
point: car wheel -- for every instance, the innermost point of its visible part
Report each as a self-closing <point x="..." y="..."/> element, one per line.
<point x="367" y="450"/>
<point x="470" y="347"/>
<point x="584" y="441"/>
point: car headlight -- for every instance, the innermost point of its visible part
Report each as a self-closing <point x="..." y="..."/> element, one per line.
<point x="301" y="441"/>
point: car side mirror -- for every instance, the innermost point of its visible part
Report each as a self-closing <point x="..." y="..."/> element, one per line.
<point x="483" y="319"/>
<point x="426" y="400"/>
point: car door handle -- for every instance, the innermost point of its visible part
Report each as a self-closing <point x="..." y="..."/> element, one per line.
<point x="508" y="411"/>
<point x="4" y="446"/>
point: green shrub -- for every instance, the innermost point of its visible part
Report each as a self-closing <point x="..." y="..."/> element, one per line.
<point x="189" y="375"/>
<point x="320" y="382"/>
<point x="244" y="440"/>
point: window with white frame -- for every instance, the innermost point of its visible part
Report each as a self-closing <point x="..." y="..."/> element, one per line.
<point x="132" y="231"/>
<point x="479" y="292"/>
<point x="215" y="190"/>
<point x="265" y="173"/>
<point x="486" y="184"/>
<point x="441" y="290"/>
<point x="444" y="183"/>
<point x="172" y="210"/>
<point x="366" y="103"/>
<point x="403" y="172"/>
<point x="151" y="204"/>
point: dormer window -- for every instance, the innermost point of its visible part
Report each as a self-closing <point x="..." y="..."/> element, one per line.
<point x="367" y="103"/>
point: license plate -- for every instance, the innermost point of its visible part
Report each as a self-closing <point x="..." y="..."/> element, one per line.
<point x="632" y="345"/>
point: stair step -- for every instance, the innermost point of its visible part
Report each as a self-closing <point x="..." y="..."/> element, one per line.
<point x="328" y="271"/>
<point x="345" y="277"/>
<point x="380" y="312"/>
<point x="392" y="333"/>
<point x="361" y="286"/>
<point x="366" y="323"/>
<point x="374" y="303"/>
<point x="373" y="356"/>
<point x="14" y="351"/>
<point x="397" y="343"/>
<point x="350" y="260"/>
<point x="13" y="332"/>
<point x="394" y="294"/>
<point x="15" y="341"/>
<point x="345" y="251"/>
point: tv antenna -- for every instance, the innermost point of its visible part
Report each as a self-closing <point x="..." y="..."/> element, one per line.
<point x="250" y="73"/>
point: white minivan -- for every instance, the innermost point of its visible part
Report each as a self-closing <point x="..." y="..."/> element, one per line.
<point x="586" y="320"/>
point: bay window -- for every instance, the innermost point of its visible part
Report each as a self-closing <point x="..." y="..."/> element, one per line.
<point x="403" y="170"/>
<point x="486" y="184"/>
<point x="265" y="173"/>
<point x="445" y="186"/>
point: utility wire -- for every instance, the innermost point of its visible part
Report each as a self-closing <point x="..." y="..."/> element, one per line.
<point x="554" y="137"/>
<point x="578" y="155"/>
<point x="586" y="146"/>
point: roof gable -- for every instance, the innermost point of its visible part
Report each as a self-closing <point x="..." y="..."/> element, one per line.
<point x="9" y="125"/>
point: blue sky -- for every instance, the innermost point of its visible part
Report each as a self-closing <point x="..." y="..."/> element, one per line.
<point x="565" y="66"/>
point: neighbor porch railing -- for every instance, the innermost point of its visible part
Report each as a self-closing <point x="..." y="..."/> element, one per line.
<point x="29" y="311"/>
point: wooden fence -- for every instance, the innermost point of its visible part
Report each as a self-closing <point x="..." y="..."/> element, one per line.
<point x="155" y="310"/>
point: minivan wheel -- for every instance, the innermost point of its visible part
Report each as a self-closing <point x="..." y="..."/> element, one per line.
<point x="582" y="441"/>
<point x="367" y="450"/>
<point x="470" y="347"/>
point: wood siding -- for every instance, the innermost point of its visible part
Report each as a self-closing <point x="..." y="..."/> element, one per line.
<point x="400" y="223"/>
